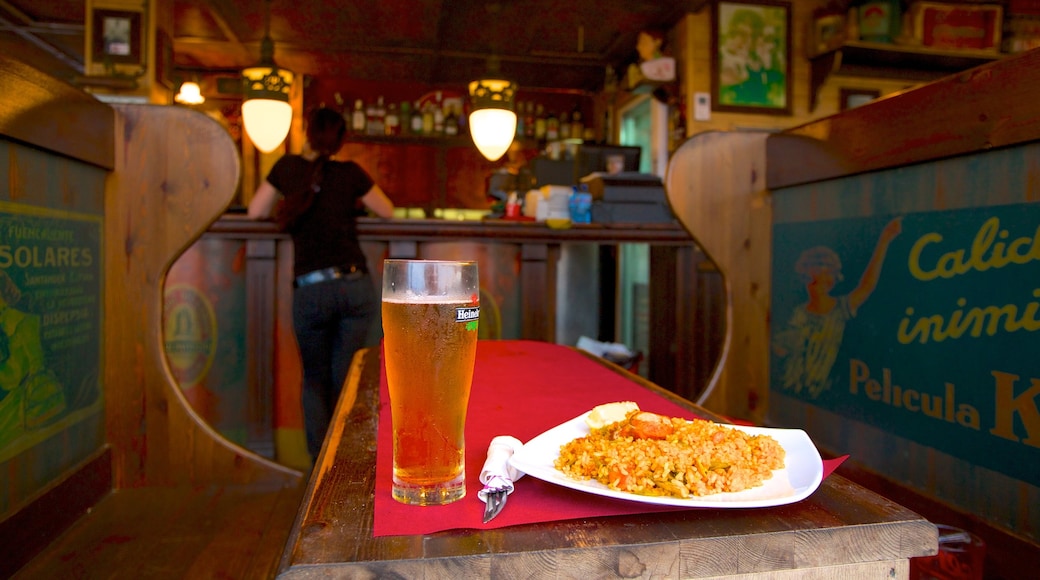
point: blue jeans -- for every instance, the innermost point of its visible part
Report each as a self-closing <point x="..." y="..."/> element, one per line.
<point x="332" y="321"/>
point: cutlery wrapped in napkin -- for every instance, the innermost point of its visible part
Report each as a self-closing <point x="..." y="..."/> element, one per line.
<point x="498" y="475"/>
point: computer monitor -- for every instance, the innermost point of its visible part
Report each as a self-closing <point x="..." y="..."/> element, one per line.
<point x="592" y="158"/>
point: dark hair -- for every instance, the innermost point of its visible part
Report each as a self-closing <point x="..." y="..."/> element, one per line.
<point x="326" y="130"/>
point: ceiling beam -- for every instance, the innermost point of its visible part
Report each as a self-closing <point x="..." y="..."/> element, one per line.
<point x="30" y="30"/>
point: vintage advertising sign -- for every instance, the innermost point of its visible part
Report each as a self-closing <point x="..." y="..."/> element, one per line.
<point x="205" y="331"/>
<point x="50" y="322"/>
<point x="926" y="325"/>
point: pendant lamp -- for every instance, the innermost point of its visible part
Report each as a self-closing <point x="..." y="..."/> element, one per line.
<point x="266" y="112"/>
<point x="190" y="94"/>
<point x="492" y="118"/>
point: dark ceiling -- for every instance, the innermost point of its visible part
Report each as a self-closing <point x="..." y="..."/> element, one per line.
<point x="557" y="44"/>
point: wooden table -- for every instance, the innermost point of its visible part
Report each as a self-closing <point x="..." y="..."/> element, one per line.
<point x="840" y="531"/>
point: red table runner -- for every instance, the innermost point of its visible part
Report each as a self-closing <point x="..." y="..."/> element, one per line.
<point x="520" y="388"/>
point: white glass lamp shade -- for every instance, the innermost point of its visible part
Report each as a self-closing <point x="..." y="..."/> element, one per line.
<point x="266" y="122"/>
<point x="492" y="131"/>
<point x="492" y="122"/>
<point x="266" y="112"/>
<point x="190" y="94"/>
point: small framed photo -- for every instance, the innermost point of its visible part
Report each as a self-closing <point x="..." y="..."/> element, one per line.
<point x="751" y="57"/>
<point x="851" y="98"/>
<point x="117" y="36"/>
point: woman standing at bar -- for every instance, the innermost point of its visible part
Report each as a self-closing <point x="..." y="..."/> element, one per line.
<point x="334" y="300"/>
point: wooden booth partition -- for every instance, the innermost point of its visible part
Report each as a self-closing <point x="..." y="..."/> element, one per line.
<point x="175" y="175"/>
<point x="898" y="321"/>
<point x="928" y="204"/>
<point x="716" y="187"/>
<point x="97" y="203"/>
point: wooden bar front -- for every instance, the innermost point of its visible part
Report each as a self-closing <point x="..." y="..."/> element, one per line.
<point x="840" y="531"/>
<point x="523" y="265"/>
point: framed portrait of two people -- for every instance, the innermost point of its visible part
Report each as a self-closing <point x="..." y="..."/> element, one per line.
<point x="751" y="64"/>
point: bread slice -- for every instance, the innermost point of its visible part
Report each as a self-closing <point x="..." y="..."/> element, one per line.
<point x="603" y="415"/>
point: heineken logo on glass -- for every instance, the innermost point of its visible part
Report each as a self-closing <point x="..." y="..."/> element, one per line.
<point x="467" y="313"/>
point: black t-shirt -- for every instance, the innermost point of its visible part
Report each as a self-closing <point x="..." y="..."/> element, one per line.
<point x="326" y="235"/>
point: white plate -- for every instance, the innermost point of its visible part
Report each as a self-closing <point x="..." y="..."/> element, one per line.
<point x="801" y="475"/>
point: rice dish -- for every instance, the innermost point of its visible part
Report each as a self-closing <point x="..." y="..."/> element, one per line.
<point x="654" y="455"/>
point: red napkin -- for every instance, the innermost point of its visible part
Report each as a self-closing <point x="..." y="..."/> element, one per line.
<point x="520" y="388"/>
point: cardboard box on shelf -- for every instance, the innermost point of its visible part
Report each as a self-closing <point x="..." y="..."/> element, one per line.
<point x="957" y="26"/>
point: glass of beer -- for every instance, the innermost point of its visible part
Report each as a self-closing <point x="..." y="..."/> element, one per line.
<point x="430" y="314"/>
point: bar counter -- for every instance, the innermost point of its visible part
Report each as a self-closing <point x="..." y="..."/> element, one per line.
<point x="501" y="229"/>
<point x="840" y="531"/>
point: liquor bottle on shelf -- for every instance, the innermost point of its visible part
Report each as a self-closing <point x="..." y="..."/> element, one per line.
<point x="358" y="119"/>
<point x="374" y="122"/>
<point x="416" y="122"/>
<point x="404" y="113"/>
<point x="380" y="116"/>
<point x="427" y="119"/>
<point x="539" y="123"/>
<point x="552" y="127"/>
<point x="451" y="123"/>
<point x="520" y="119"/>
<point x="577" y="126"/>
<point x="392" y="124"/>
<point x="438" y="114"/>
<point x="528" y="114"/>
<point x="565" y="125"/>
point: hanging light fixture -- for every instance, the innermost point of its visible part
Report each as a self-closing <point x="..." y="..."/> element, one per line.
<point x="266" y="112"/>
<point x="492" y="118"/>
<point x="190" y="94"/>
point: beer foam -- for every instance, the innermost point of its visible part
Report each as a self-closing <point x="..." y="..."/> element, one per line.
<point x="420" y="299"/>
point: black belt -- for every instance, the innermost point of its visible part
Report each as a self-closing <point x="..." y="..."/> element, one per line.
<point x="352" y="272"/>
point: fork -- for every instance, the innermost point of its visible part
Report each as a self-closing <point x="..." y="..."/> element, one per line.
<point x="497" y="475"/>
<point x="495" y="495"/>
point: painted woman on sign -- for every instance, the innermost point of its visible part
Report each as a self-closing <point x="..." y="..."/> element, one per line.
<point x="30" y="394"/>
<point x="810" y="342"/>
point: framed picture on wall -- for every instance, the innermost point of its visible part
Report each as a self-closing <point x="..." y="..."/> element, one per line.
<point x="855" y="97"/>
<point x="117" y="37"/>
<point x="751" y="57"/>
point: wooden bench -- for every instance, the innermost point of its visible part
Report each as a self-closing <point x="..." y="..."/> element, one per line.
<point x="143" y="487"/>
